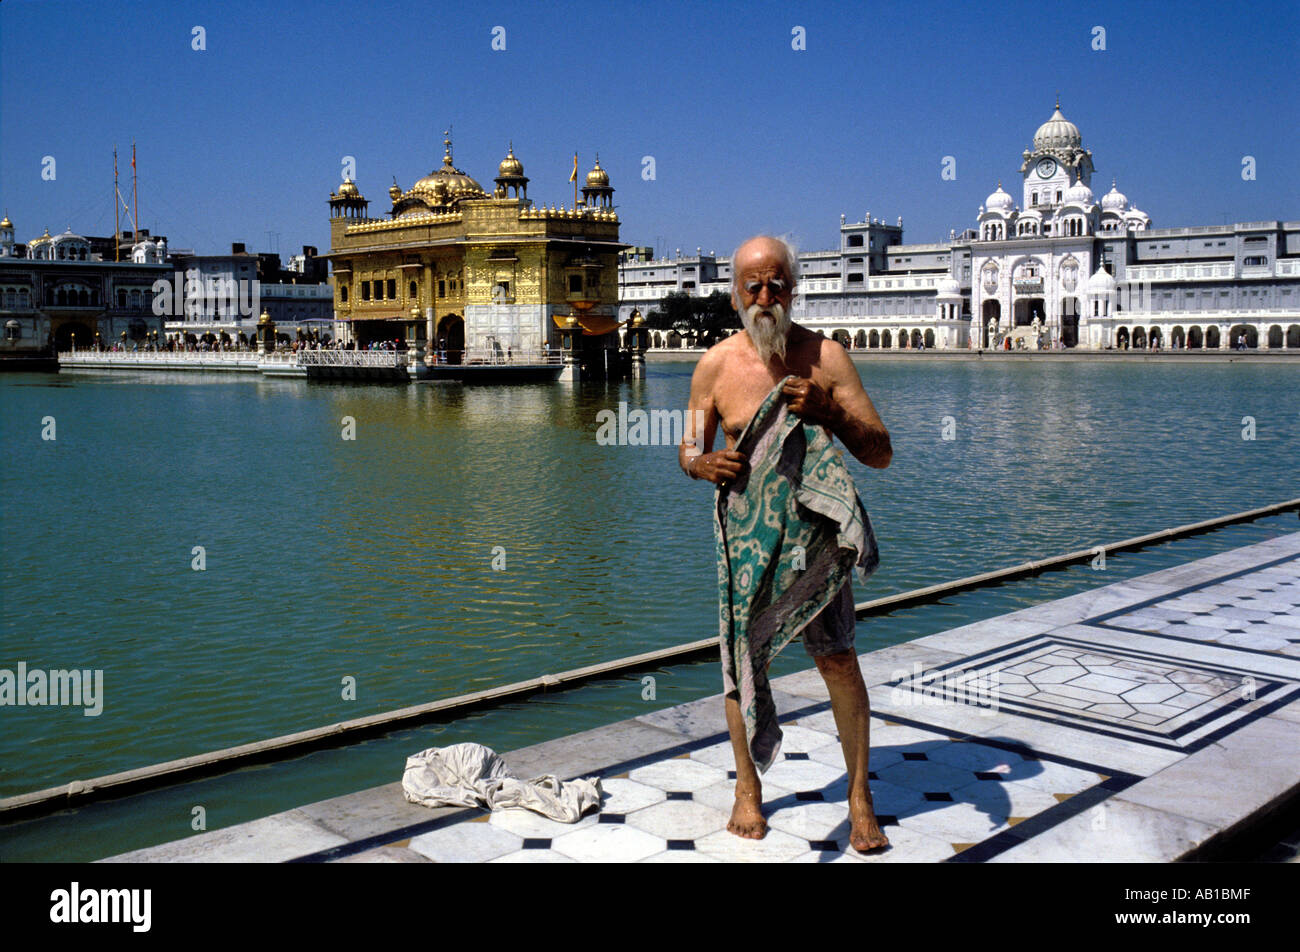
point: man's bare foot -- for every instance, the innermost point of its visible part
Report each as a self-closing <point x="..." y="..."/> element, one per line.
<point x="865" y="833"/>
<point x="747" y="815"/>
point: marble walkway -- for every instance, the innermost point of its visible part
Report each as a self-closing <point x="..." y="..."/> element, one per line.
<point x="1137" y="721"/>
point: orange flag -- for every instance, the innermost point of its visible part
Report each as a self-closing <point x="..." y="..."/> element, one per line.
<point x="573" y="177"/>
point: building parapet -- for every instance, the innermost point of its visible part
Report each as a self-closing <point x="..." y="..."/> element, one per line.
<point x="917" y="249"/>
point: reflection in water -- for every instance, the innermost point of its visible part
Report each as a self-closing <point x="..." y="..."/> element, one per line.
<point x="373" y="558"/>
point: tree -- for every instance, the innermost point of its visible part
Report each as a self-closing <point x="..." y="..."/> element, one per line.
<point x="707" y="320"/>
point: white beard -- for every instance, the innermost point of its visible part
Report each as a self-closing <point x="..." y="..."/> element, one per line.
<point x="768" y="333"/>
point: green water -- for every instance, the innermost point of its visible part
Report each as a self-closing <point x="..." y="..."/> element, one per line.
<point x="372" y="559"/>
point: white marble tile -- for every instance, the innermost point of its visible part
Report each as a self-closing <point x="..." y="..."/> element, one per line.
<point x="983" y="635"/>
<point x="797" y="739"/>
<point x="678" y="819"/>
<point x="826" y="856"/>
<point x="1053" y="777"/>
<point x="925" y="776"/>
<point x="678" y="773"/>
<point x="956" y="822"/>
<point x="1227" y="781"/>
<point x="973" y="756"/>
<point x="1113" y="831"/>
<point x="1006" y="799"/>
<point x="271" y="839"/>
<point x="907" y="845"/>
<point x="532" y="856"/>
<point x="904" y="736"/>
<point x="812" y="821"/>
<point x="775" y="847"/>
<point x="680" y="856"/>
<point x="694" y="720"/>
<point x="532" y="825"/>
<point x="608" y="843"/>
<point x="466" y="843"/>
<point x="722" y="796"/>
<point x="887" y="798"/>
<point x="716" y="755"/>
<point x="624" y="795"/>
<point x="802" y="774"/>
<point x="877" y="757"/>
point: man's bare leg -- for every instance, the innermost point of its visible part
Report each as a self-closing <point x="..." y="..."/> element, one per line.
<point x="852" y="712"/>
<point x="747" y="815"/>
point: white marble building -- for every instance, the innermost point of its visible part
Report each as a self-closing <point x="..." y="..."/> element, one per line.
<point x="1059" y="269"/>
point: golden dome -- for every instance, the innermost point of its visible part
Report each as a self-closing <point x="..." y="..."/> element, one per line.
<point x="394" y="191"/>
<point x="6" y="223"/>
<point x="597" y="177"/>
<point x="510" y="166"/>
<point x="449" y="180"/>
<point x="348" y="189"/>
<point x="44" y="239"/>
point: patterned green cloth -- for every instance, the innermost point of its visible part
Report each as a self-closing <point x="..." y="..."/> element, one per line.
<point x="788" y="534"/>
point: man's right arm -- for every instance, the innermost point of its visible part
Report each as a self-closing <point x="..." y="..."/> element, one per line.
<point x="701" y="426"/>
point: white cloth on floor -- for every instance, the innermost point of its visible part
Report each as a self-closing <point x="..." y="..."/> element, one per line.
<point x="471" y="775"/>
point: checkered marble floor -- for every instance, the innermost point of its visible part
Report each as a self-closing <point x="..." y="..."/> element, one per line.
<point x="935" y="798"/>
<point x="1138" y="721"/>
<point x="1257" y="610"/>
<point x="949" y="793"/>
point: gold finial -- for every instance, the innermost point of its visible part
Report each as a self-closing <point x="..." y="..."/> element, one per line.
<point x="1058" y="99"/>
<point x="446" y="142"/>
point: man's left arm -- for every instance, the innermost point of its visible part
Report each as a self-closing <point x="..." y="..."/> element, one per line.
<point x="845" y="408"/>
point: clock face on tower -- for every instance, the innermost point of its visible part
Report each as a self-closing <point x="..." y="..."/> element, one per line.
<point x="1046" y="168"/>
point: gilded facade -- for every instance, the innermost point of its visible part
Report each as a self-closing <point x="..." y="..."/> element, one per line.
<point x="474" y="274"/>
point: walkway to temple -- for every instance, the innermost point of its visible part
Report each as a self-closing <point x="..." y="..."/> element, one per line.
<point x="1147" y="720"/>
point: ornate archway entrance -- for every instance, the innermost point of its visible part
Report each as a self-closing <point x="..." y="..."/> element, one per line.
<point x="451" y="338"/>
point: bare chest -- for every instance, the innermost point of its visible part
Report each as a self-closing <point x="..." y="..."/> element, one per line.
<point x="741" y="390"/>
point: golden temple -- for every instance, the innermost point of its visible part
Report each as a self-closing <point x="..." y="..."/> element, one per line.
<point x="467" y="274"/>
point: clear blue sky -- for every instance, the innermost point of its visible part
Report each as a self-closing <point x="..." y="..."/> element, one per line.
<point x="748" y="134"/>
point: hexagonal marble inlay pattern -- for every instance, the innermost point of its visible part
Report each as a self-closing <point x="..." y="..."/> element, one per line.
<point x="1163" y="700"/>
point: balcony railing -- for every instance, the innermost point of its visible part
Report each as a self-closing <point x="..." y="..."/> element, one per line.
<point x="89" y="354"/>
<point x="514" y="357"/>
<point x="352" y="358"/>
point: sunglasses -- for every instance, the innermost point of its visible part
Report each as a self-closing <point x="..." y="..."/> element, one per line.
<point x="776" y="286"/>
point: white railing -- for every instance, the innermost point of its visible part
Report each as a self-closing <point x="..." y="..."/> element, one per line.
<point x="351" y="358"/>
<point x="515" y="357"/>
<point x="1179" y="272"/>
<point x="84" y="355"/>
<point x="1217" y="316"/>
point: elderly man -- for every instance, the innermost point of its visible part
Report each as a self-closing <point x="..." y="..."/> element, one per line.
<point x="801" y="387"/>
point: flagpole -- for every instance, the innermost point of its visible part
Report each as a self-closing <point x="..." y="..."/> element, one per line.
<point x="117" y="227"/>
<point x="135" y="198"/>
